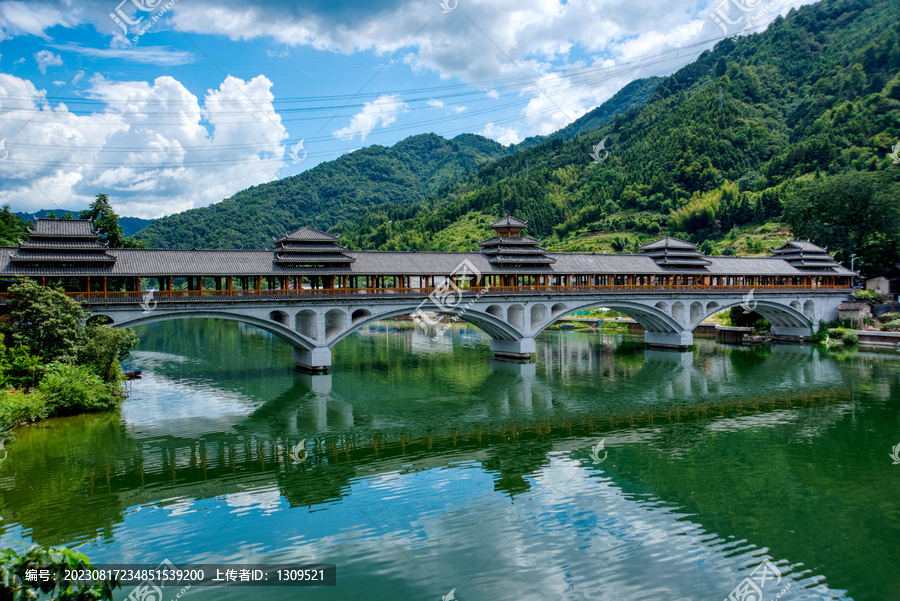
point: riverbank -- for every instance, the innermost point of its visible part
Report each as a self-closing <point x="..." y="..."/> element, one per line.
<point x="63" y="390"/>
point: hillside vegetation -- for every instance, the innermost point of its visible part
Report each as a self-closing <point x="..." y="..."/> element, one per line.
<point x="741" y="137"/>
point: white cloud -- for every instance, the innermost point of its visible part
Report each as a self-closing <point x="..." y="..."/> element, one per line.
<point x="148" y="55"/>
<point x="154" y="147"/>
<point x="33" y="18"/>
<point x="439" y="104"/>
<point x="488" y="42"/>
<point x="45" y="59"/>
<point x="504" y="135"/>
<point x="382" y="111"/>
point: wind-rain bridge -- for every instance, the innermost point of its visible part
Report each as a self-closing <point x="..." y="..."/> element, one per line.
<point x="312" y="292"/>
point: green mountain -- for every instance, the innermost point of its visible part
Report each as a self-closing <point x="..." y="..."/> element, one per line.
<point x="791" y="127"/>
<point x="330" y="193"/>
<point x="356" y="184"/>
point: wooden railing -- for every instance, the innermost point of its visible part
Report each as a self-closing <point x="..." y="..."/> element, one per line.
<point x="295" y="294"/>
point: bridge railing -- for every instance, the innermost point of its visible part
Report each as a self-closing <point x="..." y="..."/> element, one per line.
<point x="296" y="294"/>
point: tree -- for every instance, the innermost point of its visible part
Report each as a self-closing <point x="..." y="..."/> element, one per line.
<point x="46" y="320"/>
<point x="854" y="213"/>
<point x="106" y="221"/>
<point x="104" y="348"/>
<point x="12" y="227"/>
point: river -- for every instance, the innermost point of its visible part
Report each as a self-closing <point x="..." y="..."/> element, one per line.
<point x="600" y="471"/>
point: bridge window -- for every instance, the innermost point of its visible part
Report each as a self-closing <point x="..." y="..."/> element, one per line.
<point x="305" y="323"/>
<point x="360" y="315"/>
<point x="496" y="311"/>
<point x="538" y="315"/>
<point x="281" y="317"/>
<point x="335" y="322"/>
<point x="558" y="309"/>
<point x="516" y="316"/>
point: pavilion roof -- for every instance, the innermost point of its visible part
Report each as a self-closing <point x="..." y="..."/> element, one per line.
<point x="509" y="221"/>
<point x="307" y="234"/>
<point x="668" y="242"/>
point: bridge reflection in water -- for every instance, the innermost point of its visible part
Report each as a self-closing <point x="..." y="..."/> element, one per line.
<point x="445" y="456"/>
<point x="207" y="440"/>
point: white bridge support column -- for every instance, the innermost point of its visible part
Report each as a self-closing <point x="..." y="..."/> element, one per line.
<point x="673" y="340"/>
<point x="513" y="349"/>
<point x="317" y="360"/>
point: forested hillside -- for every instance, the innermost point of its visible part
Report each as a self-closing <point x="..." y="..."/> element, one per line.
<point x="332" y="192"/>
<point x="736" y="141"/>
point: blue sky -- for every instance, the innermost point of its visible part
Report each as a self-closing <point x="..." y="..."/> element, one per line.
<point x="203" y="98"/>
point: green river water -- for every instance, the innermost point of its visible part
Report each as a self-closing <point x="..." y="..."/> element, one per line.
<point x="432" y="467"/>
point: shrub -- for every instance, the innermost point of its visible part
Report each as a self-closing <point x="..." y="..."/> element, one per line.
<point x="866" y="295"/>
<point x="761" y="325"/>
<point x="850" y="338"/>
<point x="18" y="367"/>
<point x="58" y="561"/>
<point x="21" y="408"/>
<point x="893" y="325"/>
<point x="73" y="389"/>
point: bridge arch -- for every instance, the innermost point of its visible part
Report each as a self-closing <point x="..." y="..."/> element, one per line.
<point x="778" y="314"/>
<point x="652" y="318"/>
<point x="280" y="330"/>
<point x="491" y="324"/>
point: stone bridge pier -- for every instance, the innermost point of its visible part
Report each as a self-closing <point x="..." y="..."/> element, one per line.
<point x="512" y="320"/>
